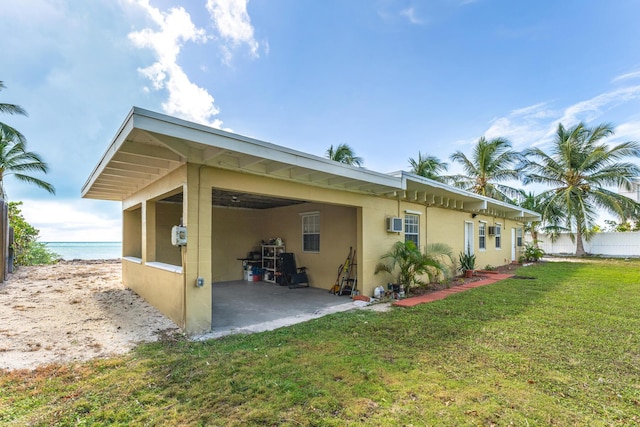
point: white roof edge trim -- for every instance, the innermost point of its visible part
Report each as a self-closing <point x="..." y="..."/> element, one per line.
<point x="236" y="143"/>
<point x="406" y="176"/>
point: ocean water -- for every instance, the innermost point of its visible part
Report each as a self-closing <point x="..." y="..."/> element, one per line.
<point x="86" y="250"/>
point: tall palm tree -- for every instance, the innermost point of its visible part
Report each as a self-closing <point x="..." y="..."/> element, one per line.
<point x="492" y="162"/>
<point x="344" y="154"/>
<point x="578" y="167"/>
<point x="429" y="167"/>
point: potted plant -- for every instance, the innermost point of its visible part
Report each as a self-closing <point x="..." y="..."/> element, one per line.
<point x="411" y="263"/>
<point x="467" y="263"/>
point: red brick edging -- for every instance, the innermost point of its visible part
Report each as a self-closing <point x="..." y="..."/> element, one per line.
<point x="438" y="295"/>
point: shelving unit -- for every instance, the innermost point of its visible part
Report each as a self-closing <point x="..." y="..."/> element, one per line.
<point x="270" y="261"/>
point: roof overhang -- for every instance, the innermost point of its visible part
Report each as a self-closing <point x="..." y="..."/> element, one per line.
<point x="434" y="193"/>
<point x="150" y="145"/>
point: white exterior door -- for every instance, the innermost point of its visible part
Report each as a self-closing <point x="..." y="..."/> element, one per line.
<point x="513" y="244"/>
<point x="468" y="237"/>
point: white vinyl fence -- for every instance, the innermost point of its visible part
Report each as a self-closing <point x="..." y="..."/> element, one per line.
<point x="607" y="244"/>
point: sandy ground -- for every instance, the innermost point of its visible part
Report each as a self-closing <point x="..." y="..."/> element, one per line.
<point x="72" y="311"/>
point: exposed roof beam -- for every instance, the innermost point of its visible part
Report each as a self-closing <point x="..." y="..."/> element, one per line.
<point x="478" y="205"/>
<point x="299" y="172"/>
<point x="146" y="161"/>
<point x="133" y="167"/>
<point x="106" y="186"/>
<point x="112" y="178"/>
<point x="131" y="174"/>
<point x="247" y="161"/>
<point x="211" y="153"/>
<point x="151" y="151"/>
<point x="173" y="145"/>
<point x="277" y="167"/>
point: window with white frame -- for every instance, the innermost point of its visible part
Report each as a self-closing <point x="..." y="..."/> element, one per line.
<point x="519" y="237"/>
<point x="311" y="232"/>
<point x="412" y="228"/>
<point x="498" y="236"/>
<point x="482" y="236"/>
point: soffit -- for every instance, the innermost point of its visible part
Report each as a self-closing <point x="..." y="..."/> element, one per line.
<point x="433" y="193"/>
<point x="149" y="146"/>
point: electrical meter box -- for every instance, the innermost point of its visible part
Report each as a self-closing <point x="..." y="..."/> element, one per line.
<point x="179" y="235"/>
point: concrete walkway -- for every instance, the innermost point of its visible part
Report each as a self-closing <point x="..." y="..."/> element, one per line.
<point x="438" y="295"/>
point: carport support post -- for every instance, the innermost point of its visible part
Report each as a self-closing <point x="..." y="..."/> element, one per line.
<point x="197" y="214"/>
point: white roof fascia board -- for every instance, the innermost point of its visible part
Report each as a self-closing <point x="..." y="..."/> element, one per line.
<point x="487" y="201"/>
<point x="201" y="134"/>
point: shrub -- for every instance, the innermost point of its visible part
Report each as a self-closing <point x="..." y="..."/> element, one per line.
<point x="467" y="261"/>
<point x="410" y="263"/>
<point x="532" y="253"/>
<point x="26" y="248"/>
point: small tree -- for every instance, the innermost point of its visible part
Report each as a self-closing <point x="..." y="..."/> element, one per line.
<point x="622" y="226"/>
<point x="410" y="263"/>
<point x="26" y="248"/>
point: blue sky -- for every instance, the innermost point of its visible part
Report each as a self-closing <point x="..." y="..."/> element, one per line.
<point x="388" y="77"/>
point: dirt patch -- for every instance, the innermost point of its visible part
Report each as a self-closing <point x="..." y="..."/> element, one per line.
<point x="72" y="311"/>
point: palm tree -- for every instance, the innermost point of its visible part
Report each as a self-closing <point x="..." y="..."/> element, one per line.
<point x="11" y="109"/>
<point x="429" y="167"/>
<point x="410" y="263"/>
<point x="579" y="167"/>
<point x="344" y="154"/>
<point x="14" y="158"/>
<point x="17" y="161"/>
<point x="492" y="162"/>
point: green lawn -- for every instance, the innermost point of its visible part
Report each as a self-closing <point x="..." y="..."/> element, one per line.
<point x="561" y="349"/>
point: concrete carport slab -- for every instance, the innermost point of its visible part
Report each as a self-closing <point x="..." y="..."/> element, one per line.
<point x="245" y="307"/>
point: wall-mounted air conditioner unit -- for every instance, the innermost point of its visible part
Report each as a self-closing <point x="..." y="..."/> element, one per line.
<point x="491" y="230"/>
<point x="394" y="225"/>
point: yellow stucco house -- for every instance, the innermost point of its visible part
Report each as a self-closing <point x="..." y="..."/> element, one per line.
<point x="231" y="192"/>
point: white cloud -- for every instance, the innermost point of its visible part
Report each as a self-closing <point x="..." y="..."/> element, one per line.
<point x="186" y="99"/>
<point x="410" y="14"/>
<point x="629" y="131"/>
<point x="536" y="124"/>
<point x="592" y="108"/>
<point x="524" y="127"/>
<point x="231" y="20"/>
<point x="74" y="220"/>
<point x="633" y="75"/>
